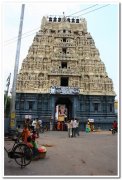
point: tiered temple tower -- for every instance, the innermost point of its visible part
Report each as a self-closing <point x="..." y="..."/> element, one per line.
<point x="63" y="67"/>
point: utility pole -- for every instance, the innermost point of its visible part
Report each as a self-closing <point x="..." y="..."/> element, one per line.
<point x="13" y="99"/>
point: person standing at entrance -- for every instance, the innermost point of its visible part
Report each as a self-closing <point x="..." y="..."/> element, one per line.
<point x="74" y="124"/>
<point x="77" y="127"/>
<point x="69" y="127"/>
<point x="62" y="126"/>
<point x="58" y="125"/>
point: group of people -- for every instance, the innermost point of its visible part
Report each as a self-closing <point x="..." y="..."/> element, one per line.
<point x="34" y="125"/>
<point x="73" y="127"/>
<point x="60" y="126"/>
<point x="29" y="135"/>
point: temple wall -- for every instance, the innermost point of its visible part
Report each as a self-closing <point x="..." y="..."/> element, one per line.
<point x="64" y="65"/>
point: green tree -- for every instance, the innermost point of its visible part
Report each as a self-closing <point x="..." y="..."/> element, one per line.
<point x="7" y="108"/>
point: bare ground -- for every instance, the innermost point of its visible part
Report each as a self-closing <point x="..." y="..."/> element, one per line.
<point x="90" y="154"/>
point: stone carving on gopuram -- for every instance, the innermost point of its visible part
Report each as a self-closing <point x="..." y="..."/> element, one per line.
<point x="64" y="48"/>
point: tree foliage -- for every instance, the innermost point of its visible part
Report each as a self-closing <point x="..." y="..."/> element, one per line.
<point x="7" y="108"/>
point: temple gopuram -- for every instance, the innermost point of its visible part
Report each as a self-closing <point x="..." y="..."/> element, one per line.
<point x="63" y="76"/>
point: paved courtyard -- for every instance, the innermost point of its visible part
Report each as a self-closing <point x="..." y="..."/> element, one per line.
<point x="90" y="154"/>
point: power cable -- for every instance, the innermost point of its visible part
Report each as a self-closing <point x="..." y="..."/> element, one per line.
<point x="83" y="10"/>
<point x="22" y="38"/>
<point x="13" y="39"/>
<point x="38" y="28"/>
<point x="94" y="10"/>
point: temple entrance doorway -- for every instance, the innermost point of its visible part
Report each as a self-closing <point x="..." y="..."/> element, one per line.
<point x="63" y="112"/>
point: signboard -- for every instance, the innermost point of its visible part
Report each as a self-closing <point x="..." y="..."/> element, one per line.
<point x="61" y="118"/>
<point x="91" y="120"/>
<point x="64" y="90"/>
<point x="12" y="120"/>
<point x="12" y="123"/>
<point x="13" y="115"/>
<point x="28" y="116"/>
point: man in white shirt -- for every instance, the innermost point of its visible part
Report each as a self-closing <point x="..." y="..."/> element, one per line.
<point x="40" y="122"/>
<point x="34" y="124"/>
<point x="74" y="124"/>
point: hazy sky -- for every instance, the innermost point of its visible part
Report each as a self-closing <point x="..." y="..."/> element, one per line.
<point x="103" y="24"/>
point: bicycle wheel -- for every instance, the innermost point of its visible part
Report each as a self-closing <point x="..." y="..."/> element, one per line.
<point x="22" y="154"/>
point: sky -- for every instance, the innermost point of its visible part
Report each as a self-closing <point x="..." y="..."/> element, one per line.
<point x="103" y="25"/>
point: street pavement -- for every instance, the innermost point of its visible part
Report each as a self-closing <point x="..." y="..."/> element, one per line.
<point x="90" y="154"/>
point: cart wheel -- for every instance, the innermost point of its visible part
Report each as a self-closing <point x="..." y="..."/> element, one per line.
<point x="22" y="155"/>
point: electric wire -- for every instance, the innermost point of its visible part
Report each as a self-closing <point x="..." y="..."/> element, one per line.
<point x="22" y="38"/>
<point x="14" y="39"/>
<point x="83" y="10"/>
<point x="94" y="10"/>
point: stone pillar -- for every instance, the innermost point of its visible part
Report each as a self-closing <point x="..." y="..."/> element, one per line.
<point x="51" y="123"/>
<point x="53" y="109"/>
<point x="90" y="106"/>
<point x="26" y="105"/>
<point x="74" y="107"/>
